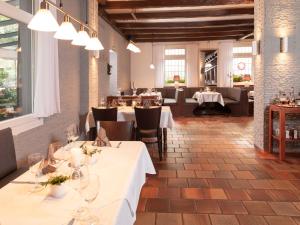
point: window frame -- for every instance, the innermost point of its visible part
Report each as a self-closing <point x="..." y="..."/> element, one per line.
<point x="175" y="57"/>
<point x="26" y="122"/>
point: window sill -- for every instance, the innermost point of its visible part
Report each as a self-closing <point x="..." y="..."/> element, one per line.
<point x="22" y="124"/>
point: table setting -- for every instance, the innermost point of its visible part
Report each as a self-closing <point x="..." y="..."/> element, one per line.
<point x="208" y="95"/>
<point x="87" y="184"/>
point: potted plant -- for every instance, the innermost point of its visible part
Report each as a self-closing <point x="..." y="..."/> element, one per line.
<point x="90" y="153"/>
<point x="57" y="185"/>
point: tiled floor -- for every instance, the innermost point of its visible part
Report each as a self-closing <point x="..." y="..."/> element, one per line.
<point x="212" y="175"/>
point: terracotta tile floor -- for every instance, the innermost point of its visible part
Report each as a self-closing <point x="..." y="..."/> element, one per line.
<point x="212" y="175"/>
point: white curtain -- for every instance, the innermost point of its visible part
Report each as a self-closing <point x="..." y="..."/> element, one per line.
<point x="159" y="58"/>
<point x="192" y="76"/>
<point x="225" y="57"/>
<point x="47" y="96"/>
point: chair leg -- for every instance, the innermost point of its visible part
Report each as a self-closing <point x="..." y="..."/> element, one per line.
<point x="165" y="134"/>
<point x="160" y="147"/>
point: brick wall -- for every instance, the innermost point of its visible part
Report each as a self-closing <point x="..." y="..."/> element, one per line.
<point x="274" y="71"/>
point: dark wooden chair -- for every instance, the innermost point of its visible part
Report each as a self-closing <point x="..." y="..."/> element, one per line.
<point x="8" y="162"/>
<point x="102" y="114"/>
<point x="119" y="130"/>
<point x="148" y="126"/>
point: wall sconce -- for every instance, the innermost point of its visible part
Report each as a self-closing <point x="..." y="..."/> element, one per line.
<point x="284" y="44"/>
<point x="256" y="47"/>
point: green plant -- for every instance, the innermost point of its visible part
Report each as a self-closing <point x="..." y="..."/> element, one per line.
<point x="56" y="180"/>
<point x="88" y="151"/>
<point x="237" y="78"/>
<point x="169" y="81"/>
<point x="182" y="81"/>
<point x="3" y="76"/>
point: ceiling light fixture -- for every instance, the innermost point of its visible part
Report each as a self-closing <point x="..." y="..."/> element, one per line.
<point x="132" y="47"/>
<point x="82" y="38"/>
<point x="66" y="31"/>
<point x="43" y="20"/>
<point x="94" y="44"/>
<point x="152" y="67"/>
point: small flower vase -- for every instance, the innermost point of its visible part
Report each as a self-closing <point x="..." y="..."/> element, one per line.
<point x="58" y="191"/>
<point x="91" y="159"/>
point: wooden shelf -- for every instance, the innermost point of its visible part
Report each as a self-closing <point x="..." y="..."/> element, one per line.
<point x="287" y="139"/>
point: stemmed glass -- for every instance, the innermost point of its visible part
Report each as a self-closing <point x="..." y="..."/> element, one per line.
<point x="35" y="163"/>
<point x="89" y="193"/>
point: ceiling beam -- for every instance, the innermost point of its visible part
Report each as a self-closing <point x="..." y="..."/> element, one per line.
<point x="183" y="14"/>
<point x="208" y="34"/>
<point x="170" y="3"/>
<point x="186" y="24"/>
<point x="187" y="39"/>
<point x="167" y="30"/>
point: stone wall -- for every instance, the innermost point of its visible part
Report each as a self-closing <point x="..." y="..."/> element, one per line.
<point x="274" y="71"/>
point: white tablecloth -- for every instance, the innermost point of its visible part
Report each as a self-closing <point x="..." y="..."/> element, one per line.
<point x="152" y="94"/>
<point x="126" y="113"/>
<point x="209" y="96"/>
<point x="122" y="174"/>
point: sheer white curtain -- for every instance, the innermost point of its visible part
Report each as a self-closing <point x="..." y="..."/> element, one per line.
<point x="159" y="58"/>
<point x="225" y="58"/>
<point x="47" y="95"/>
<point x="192" y="75"/>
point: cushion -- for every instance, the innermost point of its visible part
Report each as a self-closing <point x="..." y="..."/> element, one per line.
<point x="234" y="93"/>
<point x="8" y="163"/>
<point x="170" y="92"/>
<point x="230" y="101"/>
<point x="223" y="91"/>
<point x="170" y="101"/>
<point x="191" y="101"/>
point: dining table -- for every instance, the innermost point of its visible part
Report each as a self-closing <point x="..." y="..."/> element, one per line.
<point x="208" y="96"/>
<point x="127" y="113"/>
<point x="121" y="169"/>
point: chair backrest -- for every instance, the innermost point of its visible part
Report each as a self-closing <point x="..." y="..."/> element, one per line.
<point x="105" y="114"/>
<point x="147" y="118"/>
<point x="118" y="130"/>
<point x="8" y="162"/>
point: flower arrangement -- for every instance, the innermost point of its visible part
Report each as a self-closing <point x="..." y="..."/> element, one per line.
<point x="89" y="151"/>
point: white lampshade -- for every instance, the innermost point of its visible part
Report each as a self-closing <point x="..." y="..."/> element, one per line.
<point x="94" y="44"/>
<point x="66" y="31"/>
<point x="152" y="67"/>
<point x="132" y="47"/>
<point x="82" y="38"/>
<point x="44" y="21"/>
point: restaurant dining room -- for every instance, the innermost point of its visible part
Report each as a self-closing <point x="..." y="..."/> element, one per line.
<point x="149" y="112"/>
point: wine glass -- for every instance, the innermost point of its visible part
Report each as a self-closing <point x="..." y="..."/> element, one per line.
<point x="35" y="163"/>
<point x="89" y="193"/>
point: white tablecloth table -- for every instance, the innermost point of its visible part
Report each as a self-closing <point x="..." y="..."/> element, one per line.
<point x="208" y="96"/>
<point x="158" y="94"/>
<point x="126" y="113"/>
<point x="122" y="172"/>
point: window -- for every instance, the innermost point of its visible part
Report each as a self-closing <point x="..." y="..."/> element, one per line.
<point x="175" y="64"/>
<point x="242" y="64"/>
<point x="16" y="73"/>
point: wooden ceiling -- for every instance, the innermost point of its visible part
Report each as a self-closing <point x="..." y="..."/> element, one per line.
<point x="180" y="20"/>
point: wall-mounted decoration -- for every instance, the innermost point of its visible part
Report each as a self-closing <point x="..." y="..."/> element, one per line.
<point x="109" y="67"/>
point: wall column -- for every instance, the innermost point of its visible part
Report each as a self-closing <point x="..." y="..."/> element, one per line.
<point x="274" y="71"/>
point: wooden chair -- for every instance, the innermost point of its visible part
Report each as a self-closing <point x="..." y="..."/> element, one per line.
<point x="152" y="99"/>
<point x="119" y="130"/>
<point x="148" y="126"/>
<point x="8" y="162"/>
<point x="102" y="114"/>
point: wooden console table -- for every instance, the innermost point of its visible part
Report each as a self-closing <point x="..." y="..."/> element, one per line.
<point x="282" y="110"/>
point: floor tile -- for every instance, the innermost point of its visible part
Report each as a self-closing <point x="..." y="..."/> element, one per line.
<point x="186" y="173"/>
<point x="279" y="220"/>
<point x="168" y="193"/>
<point x="284" y="208"/>
<point x="158" y="205"/>
<point x="177" y="182"/>
<point x="208" y="207"/>
<point x="182" y="206"/>
<point x="192" y="193"/>
<point x="258" y="208"/>
<point x="168" y="219"/>
<point x="243" y="175"/>
<point x="237" y="194"/>
<point x="223" y="220"/>
<point x="166" y="173"/>
<point x="198" y="183"/>
<point x="251" y="220"/>
<point x="214" y="193"/>
<point x="145" y="219"/>
<point x="259" y="195"/>
<point x="196" y="219"/>
<point x="232" y="207"/>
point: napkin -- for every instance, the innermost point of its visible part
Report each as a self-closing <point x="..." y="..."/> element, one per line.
<point x="102" y="140"/>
